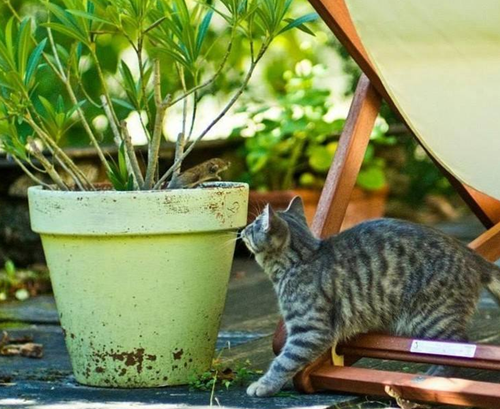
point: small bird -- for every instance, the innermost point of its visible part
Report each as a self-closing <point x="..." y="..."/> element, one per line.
<point x="208" y="170"/>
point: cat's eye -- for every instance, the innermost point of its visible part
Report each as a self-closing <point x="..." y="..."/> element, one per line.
<point x="213" y="169"/>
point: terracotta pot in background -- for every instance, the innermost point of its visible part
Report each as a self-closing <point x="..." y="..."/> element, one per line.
<point x="363" y="205"/>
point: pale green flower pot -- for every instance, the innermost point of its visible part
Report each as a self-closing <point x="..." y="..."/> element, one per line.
<point x="140" y="278"/>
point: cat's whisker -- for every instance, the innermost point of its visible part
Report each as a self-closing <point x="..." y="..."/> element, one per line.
<point x="227" y="242"/>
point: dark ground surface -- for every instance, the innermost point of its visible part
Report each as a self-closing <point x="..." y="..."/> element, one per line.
<point x="248" y="323"/>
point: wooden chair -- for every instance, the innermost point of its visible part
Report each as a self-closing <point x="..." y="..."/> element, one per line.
<point x="437" y="64"/>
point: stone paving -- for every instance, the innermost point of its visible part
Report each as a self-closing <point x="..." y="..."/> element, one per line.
<point x="248" y="323"/>
<point x="249" y="320"/>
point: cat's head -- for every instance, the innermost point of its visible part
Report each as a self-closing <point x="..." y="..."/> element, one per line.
<point x="274" y="232"/>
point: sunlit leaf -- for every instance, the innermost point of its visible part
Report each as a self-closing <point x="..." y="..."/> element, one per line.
<point x="202" y="32"/>
<point x="34" y="60"/>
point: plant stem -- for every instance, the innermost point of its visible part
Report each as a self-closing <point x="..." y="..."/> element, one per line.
<point x="154" y="144"/>
<point x="119" y="138"/>
<point x="56" y="54"/>
<point x="78" y="176"/>
<point x="89" y="98"/>
<point x="107" y="110"/>
<point x="105" y="90"/>
<point x="79" y="111"/>
<point x="47" y="166"/>
<point x="228" y="106"/>
<point x="31" y="175"/>
<point x="136" y="170"/>
<point x="193" y="114"/>
<point x="141" y="74"/>
<point x="66" y="163"/>
<point x="210" y="80"/>
<point x="12" y="10"/>
<point x="181" y="138"/>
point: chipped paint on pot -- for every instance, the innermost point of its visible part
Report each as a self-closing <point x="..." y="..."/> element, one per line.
<point x="140" y="278"/>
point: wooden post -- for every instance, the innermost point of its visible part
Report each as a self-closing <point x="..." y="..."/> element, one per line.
<point x="347" y="161"/>
<point x="343" y="172"/>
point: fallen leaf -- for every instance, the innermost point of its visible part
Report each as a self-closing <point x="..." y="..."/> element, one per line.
<point x="32" y="350"/>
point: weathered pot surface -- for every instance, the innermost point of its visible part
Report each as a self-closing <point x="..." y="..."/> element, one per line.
<point x="140" y="278"/>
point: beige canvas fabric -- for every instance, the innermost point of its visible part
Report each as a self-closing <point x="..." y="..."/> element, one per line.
<point x="440" y="62"/>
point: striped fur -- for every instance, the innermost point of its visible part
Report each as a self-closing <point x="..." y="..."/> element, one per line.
<point x="383" y="275"/>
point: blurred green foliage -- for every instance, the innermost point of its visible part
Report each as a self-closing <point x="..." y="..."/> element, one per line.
<point x="294" y="142"/>
<point x="304" y="169"/>
<point x="172" y="44"/>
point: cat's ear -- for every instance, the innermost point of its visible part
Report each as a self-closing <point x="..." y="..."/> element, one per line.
<point x="267" y="218"/>
<point x="296" y="206"/>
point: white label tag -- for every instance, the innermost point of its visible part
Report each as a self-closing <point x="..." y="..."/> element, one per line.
<point x="443" y="348"/>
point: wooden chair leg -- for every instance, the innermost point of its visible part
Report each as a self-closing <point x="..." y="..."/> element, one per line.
<point x="337" y="191"/>
<point x="348" y="159"/>
<point x="412" y="387"/>
<point x="488" y="243"/>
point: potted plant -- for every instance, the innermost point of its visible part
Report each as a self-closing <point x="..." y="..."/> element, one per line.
<point x="140" y="266"/>
<point x="293" y="145"/>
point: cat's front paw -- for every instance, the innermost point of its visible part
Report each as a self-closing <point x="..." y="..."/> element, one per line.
<point x="262" y="389"/>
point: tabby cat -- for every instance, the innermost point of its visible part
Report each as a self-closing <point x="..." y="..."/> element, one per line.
<point x="383" y="275"/>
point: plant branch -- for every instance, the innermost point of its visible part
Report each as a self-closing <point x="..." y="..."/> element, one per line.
<point x="47" y="166"/>
<point x="119" y="138"/>
<point x="105" y="89"/>
<point x="210" y="80"/>
<point x="193" y="115"/>
<point x="61" y="156"/>
<point x="114" y="128"/>
<point x="154" y="144"/>
<point x="30" y="174"/>
<point x="228" y="106"/>
<point x="141" y="74"/>
<point x="181" y="137"/>
<point x="56" y="54"/>
<point x="79" y="111"/>
<point x="129" y="147"/>
<point x="12" y="10"/>
<point x="89" y="98"/>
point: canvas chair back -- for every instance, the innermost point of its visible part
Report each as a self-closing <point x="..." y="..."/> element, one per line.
<point x="439" y="61"/>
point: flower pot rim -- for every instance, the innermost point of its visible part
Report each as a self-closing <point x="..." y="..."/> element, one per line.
<point x="98" y="193"/>
<point x="221" y="206"/>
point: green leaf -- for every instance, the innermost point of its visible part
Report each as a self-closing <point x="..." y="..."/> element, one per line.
<point x="69" y="32"/>
<point x="9" y="41"/>
<point x="47" y="106"/>
<point x="302" y="27"/>
<point x="123" y="103"/>
<point x="23" y="45"/>
<point x="256" y="161"/>
<point x="74" y="108"/>
<point x="320" y="158"/>
<point x="122" y="163"/>
<point x="371" y="178"/>
<point x="129" y="84"/>
<point x="34" y="61"/>
<point x="202" y="32"/>
<point x="299" y="22"/>
<point x="10" y="269"/>
<point x="89" y="16"/>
